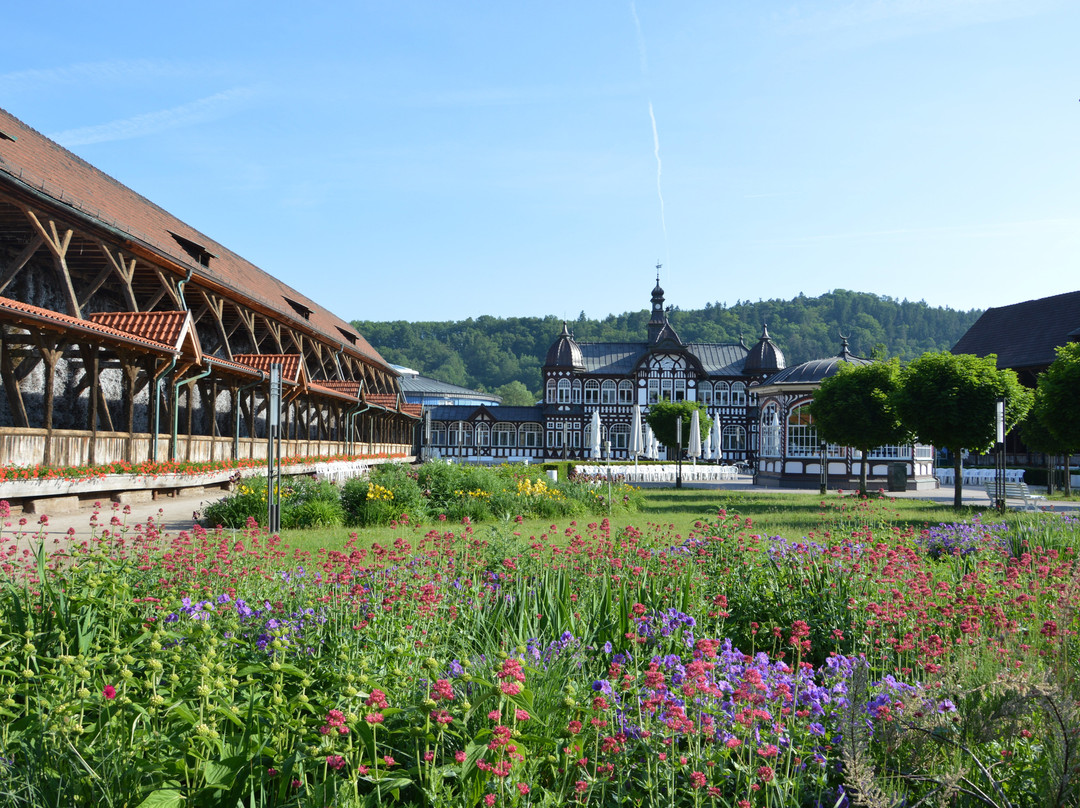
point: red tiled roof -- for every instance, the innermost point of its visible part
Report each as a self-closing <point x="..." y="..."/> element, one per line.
<point x="236" y="367"/>
<point x="351" y="389"/>
<point x="292" y="369"/>
<point x="317" y="387"/>
<point x="387" y="401"/>
<point x="17" y="311"/>
<point x="173" y="328"/>
<point x="415" y="410"/>
<point x="32" y="160"/>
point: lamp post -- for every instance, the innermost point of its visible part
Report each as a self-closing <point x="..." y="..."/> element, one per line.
<point x="999" y="465"/>
<point x="607" y="452"/>
<point x="825" y="468"/>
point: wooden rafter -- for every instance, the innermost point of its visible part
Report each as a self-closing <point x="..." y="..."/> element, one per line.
<point x="216" y="306"/>
<point x="58" y="240"/>
<point x="124" y="267"/>
<point x="13" y="269"/>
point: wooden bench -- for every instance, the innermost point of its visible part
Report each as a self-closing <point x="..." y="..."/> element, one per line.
<point x="1014" y="491"/>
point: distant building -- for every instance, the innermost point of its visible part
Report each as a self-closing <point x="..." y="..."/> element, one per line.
<point x="609" y="378"/>
<point x="790" y="453"/>
<point x="430" y="392"/>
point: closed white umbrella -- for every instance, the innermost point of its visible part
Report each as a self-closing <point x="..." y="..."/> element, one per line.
<point x="654" y="445"/>
<point x="714" y="439"/>
<point x="636" y="447"/>
<point x="694" y="449"/>
<point x="594" y="442"/>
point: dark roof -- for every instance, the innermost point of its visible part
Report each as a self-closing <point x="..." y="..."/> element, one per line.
<point x="463" y="412"/>
<point x="428" y="386"/>
<point x="617" y="358"/>
<point x="764" y="357"/>
<point x="47" y="170"/>
<point x="717" y="358"/>
<point x="1024" y="335"/>
<point x="564" y="352"/>
<point x="815" y="371"/>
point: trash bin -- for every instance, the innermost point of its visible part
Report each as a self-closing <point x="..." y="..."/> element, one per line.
<point x="553" y="475"/>
<point x="898" y="477"/>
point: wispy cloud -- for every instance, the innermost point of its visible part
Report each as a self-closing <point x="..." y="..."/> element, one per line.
<point x="904" y="17"/>
<point x="1021" y="228"/>
<point x="108" y="72"/>
<point x="640" y="40"/>
<point x="151" y="123"/>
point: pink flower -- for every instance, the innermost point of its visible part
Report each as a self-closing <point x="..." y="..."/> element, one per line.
<point x="109" y="692"/>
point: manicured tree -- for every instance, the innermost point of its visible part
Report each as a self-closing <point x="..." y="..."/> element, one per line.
<point x="1038" y="437"/>
<point x="950" y="400"/>
<point x="855" y="408"/>
<point x="1058" y="401"/>
<point x="663" y="415"/>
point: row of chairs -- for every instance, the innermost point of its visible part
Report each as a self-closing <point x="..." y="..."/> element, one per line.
<point x="663" y="473"/>
<point x="978" y="476"/>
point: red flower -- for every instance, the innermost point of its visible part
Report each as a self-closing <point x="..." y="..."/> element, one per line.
<point x="109" y="692"/>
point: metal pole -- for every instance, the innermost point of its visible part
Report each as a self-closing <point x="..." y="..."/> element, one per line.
<point x="678" y="452"/>
<point x="825" y="469"/>
<point x="999" y="470"/>
<point x="273" y="451"/>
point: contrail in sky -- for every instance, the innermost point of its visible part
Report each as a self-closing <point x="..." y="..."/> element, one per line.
<point x="652" y="117"/>
<point x="656" y="151"/>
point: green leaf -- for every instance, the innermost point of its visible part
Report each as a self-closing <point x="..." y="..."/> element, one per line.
<point x="163" y="798"/>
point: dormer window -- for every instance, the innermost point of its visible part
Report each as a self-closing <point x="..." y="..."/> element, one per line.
<point x="348" y="335"/>
<point x="299" y="308"/>
<point x="199" y="253"/>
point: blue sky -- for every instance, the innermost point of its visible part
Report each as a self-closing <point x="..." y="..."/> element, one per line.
<point x="442" y="160"/>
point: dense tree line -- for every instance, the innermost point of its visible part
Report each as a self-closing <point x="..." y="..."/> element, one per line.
<point x="490" y="353"/>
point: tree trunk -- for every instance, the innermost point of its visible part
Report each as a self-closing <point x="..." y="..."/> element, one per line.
<point x="862" y="472"/>
<point x="958" y="483"/>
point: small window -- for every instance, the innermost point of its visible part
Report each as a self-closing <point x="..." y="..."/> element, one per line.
<point x="626" y="392"/>
<point x="564" y="391"/>
<point x="607" y="392"/>
<point x="738" y="394"/>
<point x="592" y="392"/>
<point x="576" y="392"/>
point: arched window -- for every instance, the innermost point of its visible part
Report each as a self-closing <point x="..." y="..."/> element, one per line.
<point x="619" y="435"/>
<point x="626" y="392"/>
<point x="504" y="435"/>
<point x="438" y="433"/>
<point x="482" y="435"/>
<point x="738" y="394"/>
<point x="576" y="392"/>
<point x="564" y="391"/>
<point x="733" y="439"/>
<point x="460" y="434"/>
<point x="607" y="392"/>
<point x="802" y="439"/>
<point x="723" y="394"/>
<point x="529" y="436"/>
<point x="654" y="390"/>
<point x="770" y="431"/>
<point x="550" y="391"/>
<point x="704" y="392"/>
<point x="592" y="392"/>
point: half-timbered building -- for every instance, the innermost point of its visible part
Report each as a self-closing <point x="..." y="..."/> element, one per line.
<point x="581" y="378"/>
<point x="126" y="334"/>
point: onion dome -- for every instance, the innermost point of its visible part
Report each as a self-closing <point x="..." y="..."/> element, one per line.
<point x="564" y="352"/>
<point x="764" y="357"/>
<point x="817" y="370"/>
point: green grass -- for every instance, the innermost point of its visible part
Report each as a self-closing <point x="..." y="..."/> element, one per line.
<point x="674" y="511"/>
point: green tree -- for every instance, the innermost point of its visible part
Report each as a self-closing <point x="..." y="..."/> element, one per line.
<point x="663" y="415"/>
<point x="1057" y="403"/>
<point x="856" y="408"/>
<point x="1037" y="436"/>
<point x="949" y="400"/>
<point x="515" y="394"/>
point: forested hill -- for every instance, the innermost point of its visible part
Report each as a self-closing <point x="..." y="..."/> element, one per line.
<point x="491" y="352"/>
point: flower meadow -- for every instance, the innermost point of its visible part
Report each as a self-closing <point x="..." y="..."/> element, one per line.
<point x="461" y="666"/>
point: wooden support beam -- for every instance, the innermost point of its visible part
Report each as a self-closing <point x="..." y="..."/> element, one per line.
<point x="13" y="269"/>
<point x="8" y="365"/>
<point x="58" y="240"/>
<point x="124" y="266"/>
<point x="216" y="305"/>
